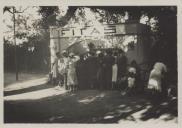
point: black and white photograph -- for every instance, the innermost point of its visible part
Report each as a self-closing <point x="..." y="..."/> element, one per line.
<point x="69" y="64"/>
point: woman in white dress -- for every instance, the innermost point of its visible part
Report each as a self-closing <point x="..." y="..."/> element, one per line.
<point x="114" y="74"/>
<point x="156" y="78"/>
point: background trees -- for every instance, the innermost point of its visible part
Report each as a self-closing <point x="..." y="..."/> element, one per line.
<point x="33" y="36"/>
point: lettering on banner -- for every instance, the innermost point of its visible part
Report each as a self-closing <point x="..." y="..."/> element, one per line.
<point x="111" y="29"/>
<point x="82" y="30"/>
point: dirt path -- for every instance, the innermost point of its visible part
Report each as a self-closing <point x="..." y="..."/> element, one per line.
<point x="10" y="78"/>
<point x="85" y="106"/>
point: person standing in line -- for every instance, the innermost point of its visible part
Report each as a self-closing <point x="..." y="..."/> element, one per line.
<point x="114" y="74"/>
<point x="80" y="71"/>
<point x="72" y="77"/>
<point x="122" y="69"/>
<point x="156" y="79"/>
<point x="65" y="68"/>
<point x="92" y="69"/>
<point x="100" y="72"/>
<point x="108" y="62"/>
<point x="61" y="67"/>
<point x="54" y="69"/>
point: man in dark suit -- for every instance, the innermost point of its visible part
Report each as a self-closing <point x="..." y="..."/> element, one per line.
<point x="122" y="67"/>
<point x="92" y="69"/>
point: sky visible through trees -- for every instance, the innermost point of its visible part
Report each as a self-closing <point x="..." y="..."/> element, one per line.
<point x="33" y="23"/>
<point x="32" y="19"/>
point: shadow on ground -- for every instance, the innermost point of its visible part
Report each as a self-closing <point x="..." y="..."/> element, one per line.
<point x="88" y="106"/>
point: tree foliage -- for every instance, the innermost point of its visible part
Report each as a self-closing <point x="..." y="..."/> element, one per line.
<point x="48" y="15"/>
<point x="31" y="30"/>
<point x="161" y="19"/>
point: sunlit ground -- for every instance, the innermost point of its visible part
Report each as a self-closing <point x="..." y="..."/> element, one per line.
<point x="25" y="84"/>
<point x="25" y="80"/>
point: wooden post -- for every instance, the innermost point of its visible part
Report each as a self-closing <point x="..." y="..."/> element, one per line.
<point x="16" y="63"/>
<point x="59" y="43"/>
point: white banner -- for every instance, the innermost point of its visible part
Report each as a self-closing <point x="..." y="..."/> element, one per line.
<point x="99" y="30"/>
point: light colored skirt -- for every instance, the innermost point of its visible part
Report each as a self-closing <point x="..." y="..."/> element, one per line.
<point x="154" y="82"/>
<point x="114" y="73"/>
<point x="71" y="77"/>
<point x="131" y="82"/>
<point x="54" y="71"/>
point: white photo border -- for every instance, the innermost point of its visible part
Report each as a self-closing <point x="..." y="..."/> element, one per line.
<point x="177" y="3"/>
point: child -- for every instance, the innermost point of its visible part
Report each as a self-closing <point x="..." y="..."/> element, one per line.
<point x="132" y="73"/>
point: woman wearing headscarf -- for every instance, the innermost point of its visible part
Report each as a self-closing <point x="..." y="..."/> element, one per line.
<point x="156" y="79"/>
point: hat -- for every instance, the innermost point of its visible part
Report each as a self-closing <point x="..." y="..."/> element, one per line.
<point x="64" y="51"/>
<point x="98" y="52"/>
<point x="71" y="54"/>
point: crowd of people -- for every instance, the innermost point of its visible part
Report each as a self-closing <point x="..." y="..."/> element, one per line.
<point x="103" y="70"/>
